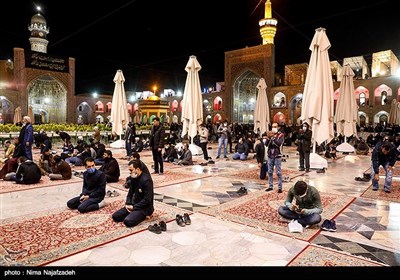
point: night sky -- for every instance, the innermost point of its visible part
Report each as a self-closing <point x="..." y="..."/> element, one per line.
<point x="151" y="41"/>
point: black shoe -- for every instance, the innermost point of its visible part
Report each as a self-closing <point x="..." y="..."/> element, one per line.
<point x="307" y="170"/>
<point x="155" y="228"/>
<point x="326" y="225"/>
<point x="217" y="157"/>
<point x="163" y="226"/>
<point x="269" y="189"/>
<point x="387" y="191"/>
<point x="321" y="170"/>
<point x="301" y="169"/>
<point x="242" y="190"/>
<point x="186" y="218"/>
<point x="375" y="190"/>
<point x="179" y="220"/>
<point x="279" y="191"/>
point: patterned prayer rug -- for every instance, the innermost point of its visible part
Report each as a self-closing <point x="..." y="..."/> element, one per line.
<point x="254" y="175"/>
<point x="10" y="186"/>
<point x="380" y="194"/>
<point x="317" y="256"/>
<point x="47" y="236"/>
<point x="260" y="210"/>
<point x="168" y="178"/>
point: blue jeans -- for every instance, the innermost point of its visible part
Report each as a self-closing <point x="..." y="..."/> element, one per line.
<point x="277" y="162"/>
<point x="221" y="142"/>
<point x="237" y="156"/>
<point x="388" y="179"/>
<point x="304" y="220"/>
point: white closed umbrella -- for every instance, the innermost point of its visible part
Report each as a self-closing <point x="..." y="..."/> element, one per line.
<point x="261" y="112"/>
<point x="17" y="115"/>
<point x="192" y="102"/>
<point x="119" y="110"/>
<point x="346" y="109"/>
<point x="317" y="109"/>
<point x="393" y="112"/>
<point x="30" y="114"/>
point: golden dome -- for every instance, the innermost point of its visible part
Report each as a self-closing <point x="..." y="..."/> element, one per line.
<point x="153" y="97"/>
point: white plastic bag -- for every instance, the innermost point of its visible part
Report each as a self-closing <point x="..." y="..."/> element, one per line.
<point x="294" y="226"/>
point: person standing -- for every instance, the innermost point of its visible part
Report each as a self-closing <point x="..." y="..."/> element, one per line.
<point x="129" y="136"/>
<point x="204" y="133"/>
<point x="223" y="131"/>
<point x="139" y="201"/>
<point x="26" y="136"/>
<point x="304" y="147"/>
<point x="275" y="140"/>
<point x="93" y="189"/>
<point x="157" y="135"/>
<point x="303" y="203"/>
<point x="383" y="154"/>
<point x="262" y="156"/>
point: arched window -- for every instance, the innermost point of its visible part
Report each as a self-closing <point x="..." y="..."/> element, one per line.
<point x="363" y="100"/>
<point x="384" y="99"/>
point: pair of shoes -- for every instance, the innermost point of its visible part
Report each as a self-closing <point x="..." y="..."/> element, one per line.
<point x="242" y="190"/>
<point x="269" y="189"/>
<point x="179" y="220"/>
<point x="280" y="191"/>
<point x="361" y="179"/>
<point x="211" y="162"/>
<point x="113" y="193"/>
<point x="155" y="228"/>
<point x="321" y="170"/>
<point x="102" y="204"/>
<point x="329" y="225"/>
<point x="286" y="179"/>
<point x="163" y="225"/>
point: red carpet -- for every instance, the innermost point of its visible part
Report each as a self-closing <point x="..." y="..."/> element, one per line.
<point x="380" y="194"/>
<point x="47" y="236"/>
<point x="317" y="256"/>
<point x="260" y="210"/>
<point x="9" y="186"/>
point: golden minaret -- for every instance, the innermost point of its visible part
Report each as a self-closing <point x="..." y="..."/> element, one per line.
<point x="268" y="25"/>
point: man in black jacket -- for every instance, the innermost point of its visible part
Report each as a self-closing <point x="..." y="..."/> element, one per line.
<point x="157" y="144"/>
<point x="27" y="173"/>
<point x="110" y="167"/>
<point x="304" y="146"/>
<point x="383" y="154"/>
<point x="93" y="190"/>
<point x="139" y="201"/>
